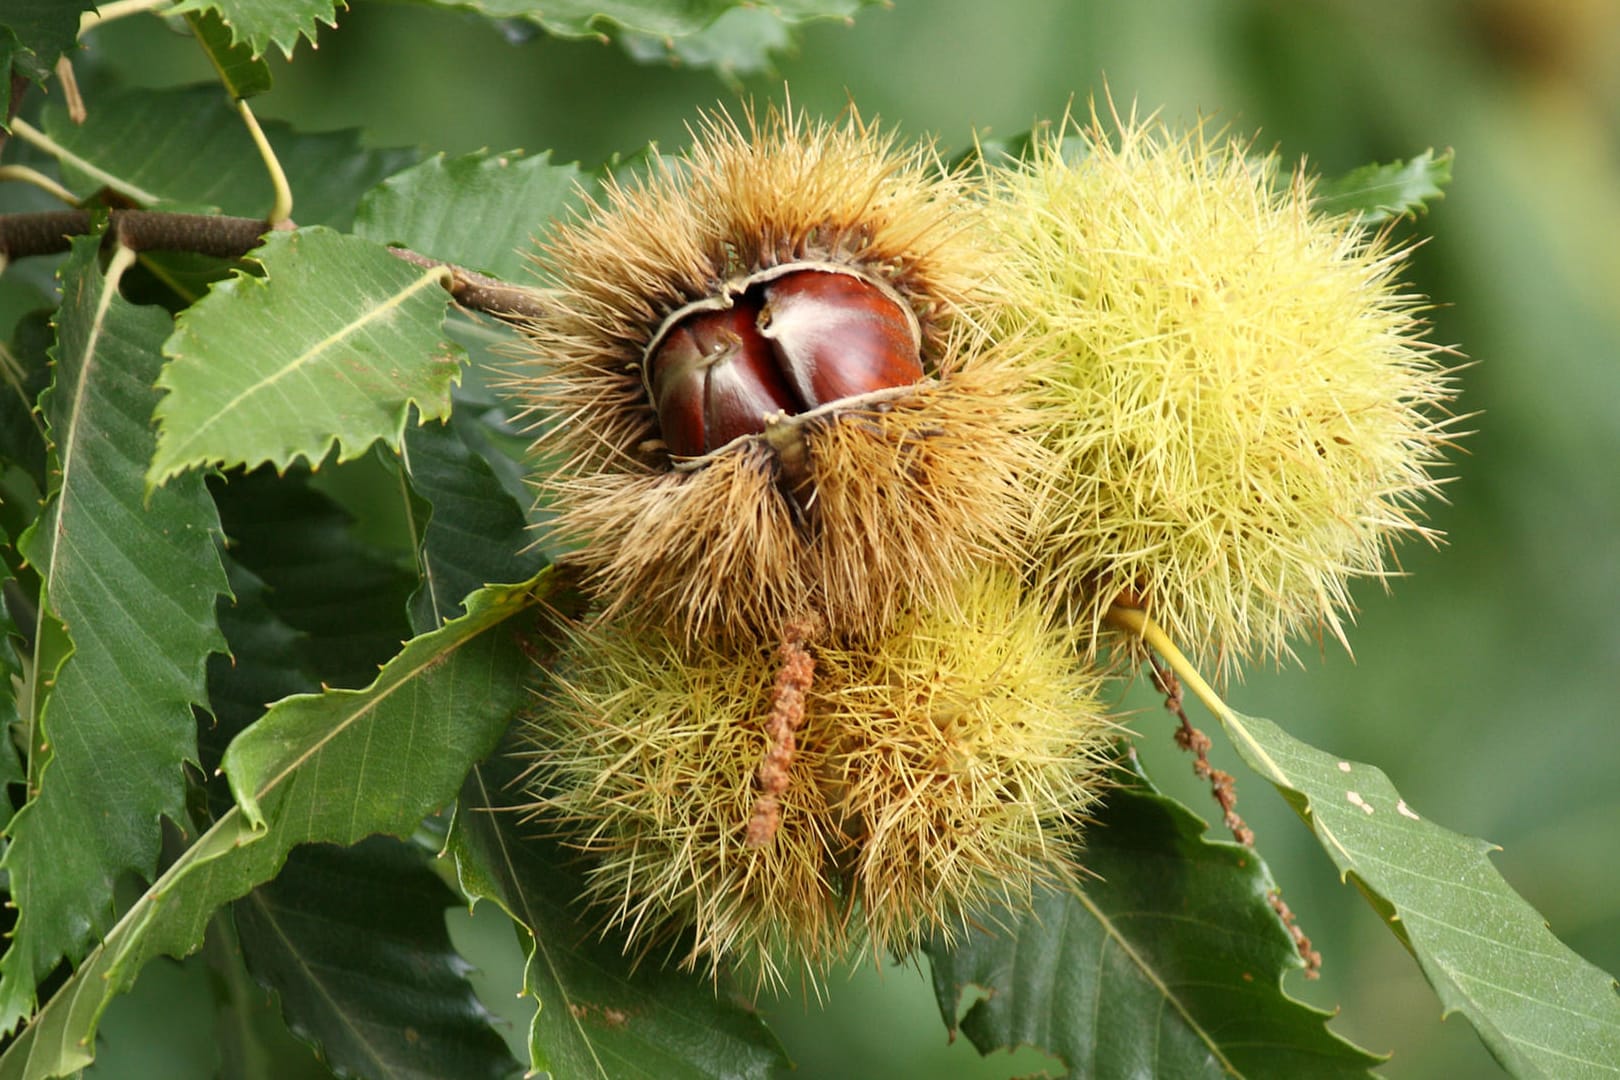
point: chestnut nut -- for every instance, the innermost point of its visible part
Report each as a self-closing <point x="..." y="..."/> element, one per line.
<point x="790" y="341"/>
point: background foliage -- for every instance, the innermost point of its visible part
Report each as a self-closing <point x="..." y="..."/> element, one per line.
<point x="1481" y="685"/>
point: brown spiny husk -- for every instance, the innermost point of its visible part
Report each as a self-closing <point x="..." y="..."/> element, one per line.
<point x="902" y="495"/>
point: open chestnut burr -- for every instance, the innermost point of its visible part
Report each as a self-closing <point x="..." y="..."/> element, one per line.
<point x="782" y="342"/>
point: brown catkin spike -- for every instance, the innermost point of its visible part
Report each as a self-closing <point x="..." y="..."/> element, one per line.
<point x="793" y="682"/>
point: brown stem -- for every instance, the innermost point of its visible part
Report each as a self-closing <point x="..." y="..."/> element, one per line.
<point x="226" y="237"/>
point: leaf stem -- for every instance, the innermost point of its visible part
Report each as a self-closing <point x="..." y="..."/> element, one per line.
<point x="117" y="9"/>
<point x="281" y="208"/>
<point x="43" y="142"/>
<point x="27" y="175"/>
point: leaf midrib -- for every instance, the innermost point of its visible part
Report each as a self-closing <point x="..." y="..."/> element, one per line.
<point x="1141" y="964"/>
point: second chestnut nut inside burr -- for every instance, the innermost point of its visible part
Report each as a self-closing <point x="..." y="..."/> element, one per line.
<point x="785" y="342"/>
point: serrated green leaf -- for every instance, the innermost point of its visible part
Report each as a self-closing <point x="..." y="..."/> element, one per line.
<point x="329" y="349"/>
<point x="1380" y="192"/>
<point x="344" y="936"/>
<point x="663" y="18"/>
<point x="15" y="62"/>
<point x="739" y="43"/>
<point x="1169" y="963"/>
<point x="11" y="678"/>
<point x="35" y="33"/>
<point x="241" y="72"/>
<point x="480" y="211"/>
<point x="344" y="597"/>
<point x="470" y="532"/>
<point x="328" y="768"/>
<point x="354" y="942"/>
<point x="186" y="146"/>
<point x="596" y="1017"/>
<point x="47" y="28"/>
<point x="1542" y="1010"/>
<point x="258" y="24"/>
<point x="133" y="581"/>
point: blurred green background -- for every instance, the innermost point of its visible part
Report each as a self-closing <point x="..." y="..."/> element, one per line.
<point x="1484" y="683"/>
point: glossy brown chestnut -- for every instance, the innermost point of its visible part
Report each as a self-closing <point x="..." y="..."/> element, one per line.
<point x="787" y="343"/>
<point x="837" y="336"/>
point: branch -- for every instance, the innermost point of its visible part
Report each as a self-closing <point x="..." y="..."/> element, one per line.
<point x="231" y="238"/>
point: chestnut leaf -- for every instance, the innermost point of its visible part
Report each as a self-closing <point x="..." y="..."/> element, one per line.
<point x="600" y="1017"/>
<point x="243" y="74"/>
<point x="186" y="147"/>
<point x="1379" y="192"/>
<point x="469" y="531"/>
<point x="1168" y="961"/>
<point x="344" y="596"/>
<point x="126" y="623"/>
<point x="318" y="768"/>
<point x="663" y="18"/>
<point x="258" y="24"/>
<point x="328" y="349"/>
<point x="480" y="211"/>
<point x="1540" y="1008"/>
<point x="353" y="940"/>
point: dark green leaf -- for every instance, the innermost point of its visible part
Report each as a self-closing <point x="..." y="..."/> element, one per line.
<point x="249" y="1030"/>
<point x="11" y="677"/>
<point x="480" y="211"/>
<point x="265" y="664"/>
<point x="33" y="34"/>
<point x="596" y="1017"/>
<point x="329" y="349"/>
<point x="332" y="768"/>
<point x="242" y="73"/>
<point x="739" y="43"/>
<point x="187" y="146"/>
<point x="1169" y="964"/>
<point x="24" y="374"/>
<point x="47" y="28"/>
<point x="474" y="532"/>
<point x="134" y="581"/>
<point x="14" y="60"/>
<point x="19" y="298"/>
<point x="1541" y="1009"/>
<point x="258" y="24"/>
<point x="1380" y="192"/>
<point x="354" y="942"/>
<point x="491" y="434"/>
<point x="344" y="598"/>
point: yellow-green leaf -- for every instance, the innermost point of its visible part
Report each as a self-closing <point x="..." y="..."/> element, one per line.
<point x="1541" y="1009"/>
<point x="330" y="347"/>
